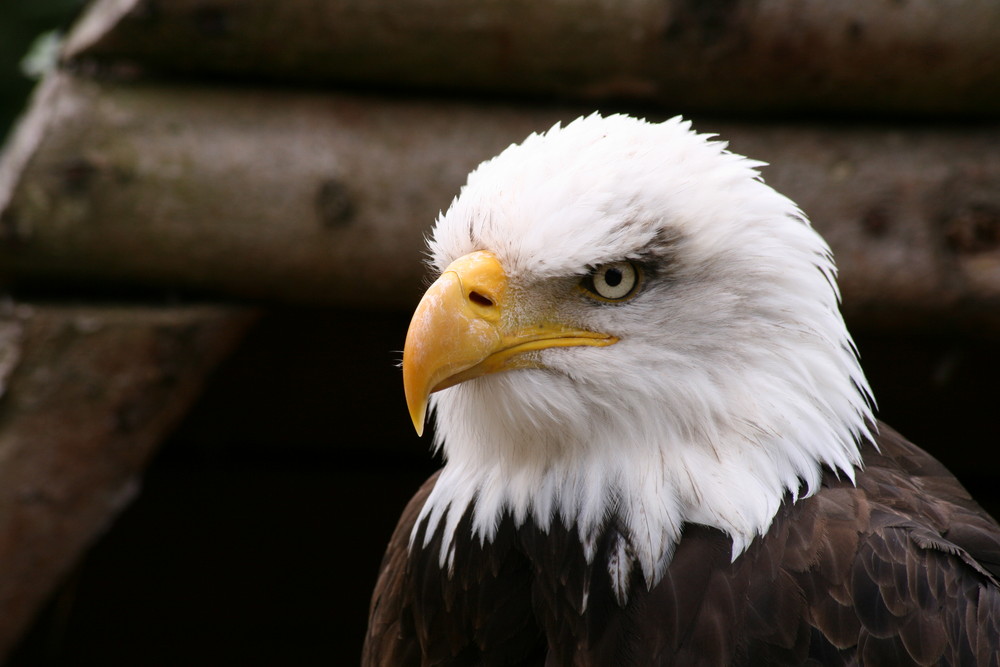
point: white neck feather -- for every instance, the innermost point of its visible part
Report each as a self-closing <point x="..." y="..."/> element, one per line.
<point x="650" y="462"/>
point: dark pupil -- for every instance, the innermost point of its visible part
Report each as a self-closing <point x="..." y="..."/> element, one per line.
<point x="613" y="277"/>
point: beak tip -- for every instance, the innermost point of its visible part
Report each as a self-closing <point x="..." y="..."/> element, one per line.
<point x="417" y="415"/>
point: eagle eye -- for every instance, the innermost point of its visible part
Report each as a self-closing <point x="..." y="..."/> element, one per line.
<point x="615" y="281"/>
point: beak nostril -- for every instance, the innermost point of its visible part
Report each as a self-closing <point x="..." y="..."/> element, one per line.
<point x="477" y="298"/>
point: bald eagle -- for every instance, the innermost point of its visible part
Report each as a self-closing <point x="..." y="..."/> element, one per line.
<point x="659" y="445"/>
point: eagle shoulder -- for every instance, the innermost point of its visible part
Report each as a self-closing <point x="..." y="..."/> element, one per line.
<point x="389" y="639"/>
<point x="421" y="614"/>
<point x="899" y="569"/>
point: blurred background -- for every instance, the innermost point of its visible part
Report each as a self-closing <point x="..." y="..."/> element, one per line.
<point x="211" y="231"/>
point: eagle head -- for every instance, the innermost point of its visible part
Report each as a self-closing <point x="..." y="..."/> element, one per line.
<point x="630" y="327"/>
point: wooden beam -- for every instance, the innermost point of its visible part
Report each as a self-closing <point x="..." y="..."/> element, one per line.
<point x="86" y="395"/>
<point x="326" y="198"/>
<point x="905" y="58"/>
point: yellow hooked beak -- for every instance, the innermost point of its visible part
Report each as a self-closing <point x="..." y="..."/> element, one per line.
<point x="459" y="331"/>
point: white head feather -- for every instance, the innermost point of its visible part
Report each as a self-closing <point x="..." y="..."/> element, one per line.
<point x="734" y="381"/>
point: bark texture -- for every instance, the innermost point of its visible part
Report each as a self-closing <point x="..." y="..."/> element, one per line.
<point x="326" y="198"/>
<point x="905" y="58"/>
<point x="86" y="395"/>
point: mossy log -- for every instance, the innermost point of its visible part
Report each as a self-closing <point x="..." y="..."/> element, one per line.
<point x="907" y="58"/>
<point x="86" y="394"/>
<point x="326" y="198"/>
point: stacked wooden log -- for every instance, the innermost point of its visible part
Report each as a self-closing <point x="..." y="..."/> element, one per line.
<point x="87" y="394"/>
<point x="128" y="169"/>
<point x="281" y="151"/>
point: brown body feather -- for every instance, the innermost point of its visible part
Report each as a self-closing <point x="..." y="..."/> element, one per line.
<point x="899" y="569"/>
